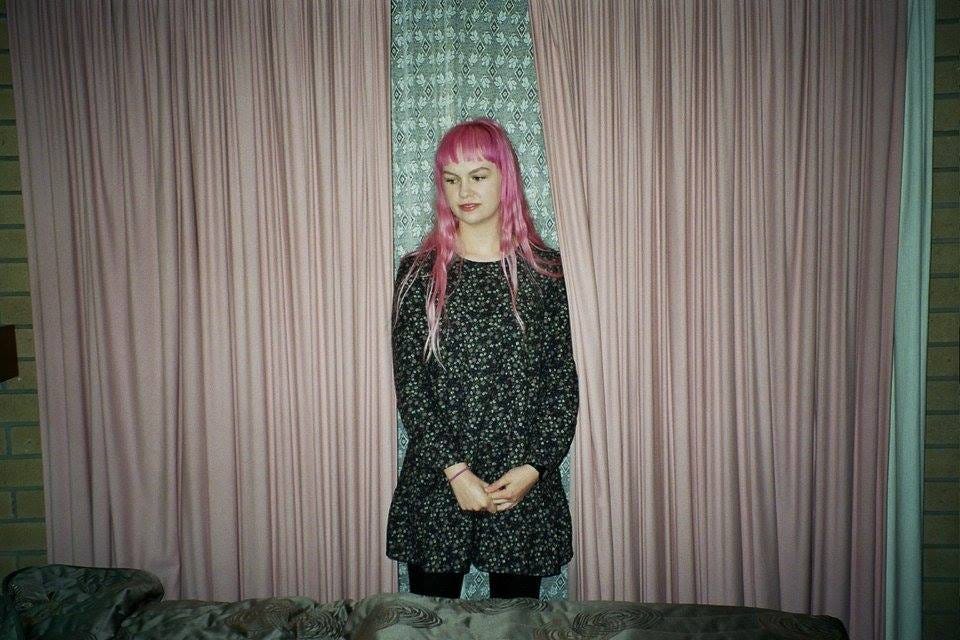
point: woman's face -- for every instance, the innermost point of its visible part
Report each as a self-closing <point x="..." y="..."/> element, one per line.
<point x="472" y="182"/>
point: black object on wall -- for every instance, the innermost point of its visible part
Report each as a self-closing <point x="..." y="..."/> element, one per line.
<point x="8" y="353"/>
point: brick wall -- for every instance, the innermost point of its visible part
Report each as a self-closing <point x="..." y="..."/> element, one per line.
<point x="22" y="536"/>
<point x="941" y="519"/>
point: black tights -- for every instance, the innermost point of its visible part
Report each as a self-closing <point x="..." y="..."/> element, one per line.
<point x="449" y="585"/>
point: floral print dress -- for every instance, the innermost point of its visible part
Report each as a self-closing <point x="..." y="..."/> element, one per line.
<point x="501" y="399"/>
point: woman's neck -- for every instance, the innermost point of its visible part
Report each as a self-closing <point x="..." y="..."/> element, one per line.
<point x="477" y="247"/>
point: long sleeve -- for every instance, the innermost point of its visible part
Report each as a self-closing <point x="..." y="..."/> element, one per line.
<point x="419" y="410"/>
<point x="555" y="422"/>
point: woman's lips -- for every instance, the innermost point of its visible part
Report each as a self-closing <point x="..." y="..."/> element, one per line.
<point x="468" y="207"/>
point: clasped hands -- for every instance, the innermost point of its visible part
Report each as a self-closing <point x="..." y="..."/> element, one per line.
<point x="473" y="494"/>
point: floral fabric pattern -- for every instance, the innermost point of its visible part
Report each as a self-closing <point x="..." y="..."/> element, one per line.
<point x="502" y="398"/>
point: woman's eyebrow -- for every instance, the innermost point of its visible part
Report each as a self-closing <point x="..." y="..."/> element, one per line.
<point x="474" y="171"/>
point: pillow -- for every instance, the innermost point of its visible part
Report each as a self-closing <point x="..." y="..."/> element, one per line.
<point x="57" y="601"/>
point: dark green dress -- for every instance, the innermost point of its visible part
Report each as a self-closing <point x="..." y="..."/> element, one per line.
<point x="503" y="400"/>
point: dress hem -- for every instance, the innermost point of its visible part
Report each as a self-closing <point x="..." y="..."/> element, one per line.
<point x="555" y="572"/>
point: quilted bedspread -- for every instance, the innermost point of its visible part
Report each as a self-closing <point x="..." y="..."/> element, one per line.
<point x="57" y="602"/>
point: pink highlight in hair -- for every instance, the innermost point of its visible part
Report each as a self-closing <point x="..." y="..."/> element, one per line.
<point x="478" y="139"/>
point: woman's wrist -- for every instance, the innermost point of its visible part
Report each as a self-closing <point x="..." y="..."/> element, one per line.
<point x="455" y="469"/>
<point x="539" y="469"/>
<point x="457" y="475"/>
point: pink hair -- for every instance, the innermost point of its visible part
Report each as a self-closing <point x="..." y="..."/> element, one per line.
<point x="474" y="140"/>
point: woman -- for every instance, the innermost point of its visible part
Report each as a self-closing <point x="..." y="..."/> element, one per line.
<point x="486" y="383"/>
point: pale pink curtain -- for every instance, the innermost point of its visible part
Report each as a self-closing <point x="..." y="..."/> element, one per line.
<point x="207" y="196"/>
<point x="726" y="180"/>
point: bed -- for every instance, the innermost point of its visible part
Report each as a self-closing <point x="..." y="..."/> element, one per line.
<point x="58" y="601"/>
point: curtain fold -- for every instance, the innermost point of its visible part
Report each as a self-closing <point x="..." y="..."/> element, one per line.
<point x="903" y="591"/>
<point x="208" y="209"/>
<point x="726" y="180"/>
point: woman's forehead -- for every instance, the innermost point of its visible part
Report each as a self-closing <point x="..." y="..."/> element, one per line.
<point x="466" y="166"/>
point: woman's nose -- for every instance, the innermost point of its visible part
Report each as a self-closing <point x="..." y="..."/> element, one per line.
<point x="465" y="189"/>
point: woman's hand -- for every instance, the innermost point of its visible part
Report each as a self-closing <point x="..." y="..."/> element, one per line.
<point x="469" y="490"/>
<point x="512" y="486"/>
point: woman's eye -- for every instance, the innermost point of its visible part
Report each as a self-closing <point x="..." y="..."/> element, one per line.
<point x="453" y="180"/>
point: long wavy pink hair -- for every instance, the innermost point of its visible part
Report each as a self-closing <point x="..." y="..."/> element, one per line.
<point x="476" y="140"/>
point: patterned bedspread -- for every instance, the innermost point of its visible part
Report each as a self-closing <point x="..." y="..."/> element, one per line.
<point x="88" y="603"/>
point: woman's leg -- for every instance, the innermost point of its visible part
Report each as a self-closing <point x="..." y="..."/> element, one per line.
<point x="512" y="585"/>
<point x="425" y="583"/>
